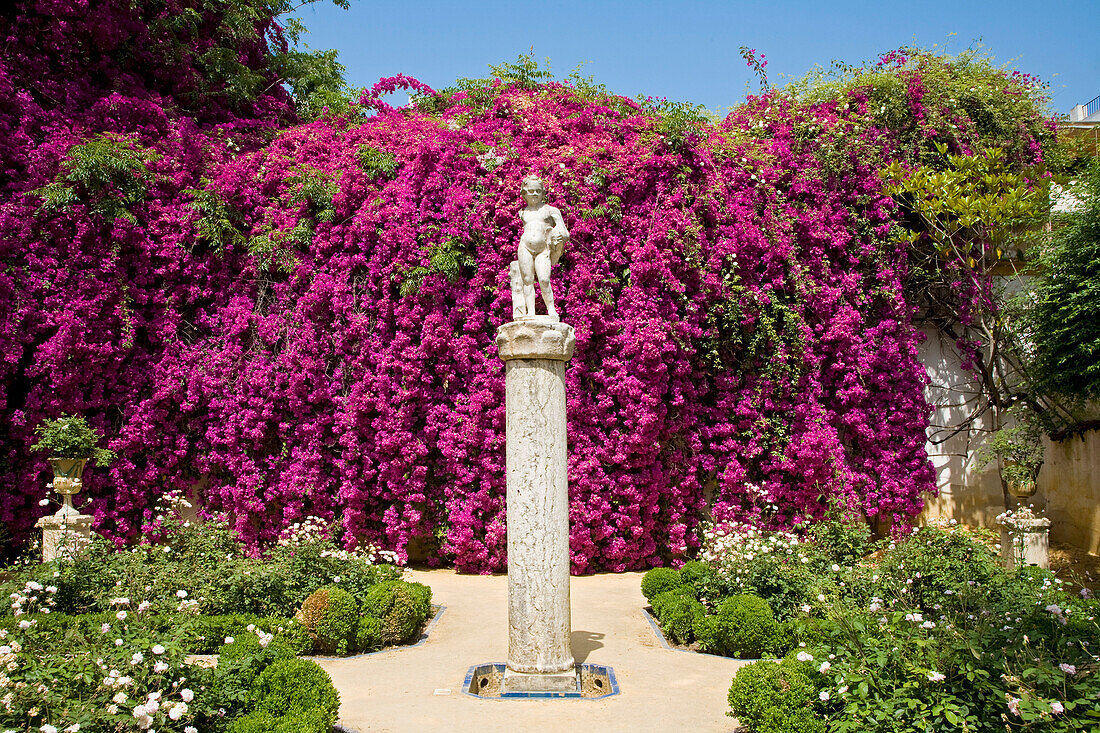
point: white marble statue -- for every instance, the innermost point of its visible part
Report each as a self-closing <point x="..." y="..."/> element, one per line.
<point x="540" y="246"/>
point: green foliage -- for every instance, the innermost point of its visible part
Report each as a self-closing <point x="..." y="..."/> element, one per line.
<point x="70" y="436"/>
<point x="331" y="616"/>
<point x="217" y="224"/>
<point x="316" y="81"/>
<point x="525" y="73"/>
<point x="659" y="580"/>
<point x="770" y="697"/>
<point x="368" y="635"/>
<point x="1017" y="447"/>
<point x="936" y="569"/>
<point x="239" y="664"/>
<point x="204" y="559"/>
<point x="969" y="206"/>
<point x="703" y="580"/>
<point x="963" y="97"/>
<point x="401" y="607"/>
<point x="374" y="162"/>
<point x="108" y="173"/>
<point x="293" y="686"/>
<point x="1066" y="315"/>
<point x="840" y="540"/>
<point x="678" y="612"/>
<point x="446" y="258"/>
<point x="262" y="721"/>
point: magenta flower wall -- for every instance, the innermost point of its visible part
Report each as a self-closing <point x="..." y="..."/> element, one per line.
<point x="743" y="346"/>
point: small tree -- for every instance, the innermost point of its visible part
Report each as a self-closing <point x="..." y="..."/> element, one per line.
<point x="1066" y="313"/>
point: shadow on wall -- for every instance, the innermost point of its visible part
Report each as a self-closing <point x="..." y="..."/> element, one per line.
<point x="1069" y="483"/>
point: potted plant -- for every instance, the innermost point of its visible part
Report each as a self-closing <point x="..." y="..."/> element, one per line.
<point x="70" y="442"/>
<point x="1018" y="451"/>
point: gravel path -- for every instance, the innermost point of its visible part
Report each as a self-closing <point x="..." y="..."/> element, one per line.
<point x="420" y="688"/>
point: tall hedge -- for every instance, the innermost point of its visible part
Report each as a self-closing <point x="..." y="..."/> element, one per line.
<point x="302" y="316"/>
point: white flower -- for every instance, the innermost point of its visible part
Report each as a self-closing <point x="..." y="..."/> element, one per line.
<point x="73" y="728"/>
<point x="104" y="628"/>
<point x="821" y="596"/>
<point x="806" y="608"/>
<point x="190" y="729"/>
<point x="47" y="728"/>
<point x="824" y="667"/>
<point x="928" y="625"/>
<point x="177" y="711"/>
<point x="44" y="502"/>
<point x="160" y="667"/>
<point x="842" y="689"/>
<point x="936" y="677"/>
<point x="823" y="695"/>
<point x="336" y="579"/>
<point x="121" y="615"/>
<point x="120" y="698"/>
<point x="1057" y="708"/>
<point x="137" y="658"/>
<point x="118" y="642"/>
<point x="158" y="649"/>
<point x="804" y="657"/>
<point x="181" y="594"/>
<point x="124" y="680"/>
<point x="25" y="624"/>
<point x="229" y="640"/>
<point x="143" y="606"/>
<point x="186" y="695"/>
<point x="1067" y="668"/>
<point x="835" y="568"/>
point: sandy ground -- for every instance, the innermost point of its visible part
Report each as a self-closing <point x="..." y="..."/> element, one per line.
<point x="420" y="688"/>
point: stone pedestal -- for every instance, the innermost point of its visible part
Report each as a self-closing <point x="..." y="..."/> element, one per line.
<point x="64" y="533"/>
<point x="539" y="655"/>
<point x="1025" y="540"/>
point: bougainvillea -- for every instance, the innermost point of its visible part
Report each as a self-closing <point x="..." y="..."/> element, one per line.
<point x="291" y="320"/>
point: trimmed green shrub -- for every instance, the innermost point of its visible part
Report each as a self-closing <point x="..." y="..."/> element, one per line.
<point x="768" y="697"/>
<point x="401" y="607"/>
<point x="296" y="686"/>
<point x="262" y="721"/>
<point x="677" y="611"/>
<point x="331" y="616"/>
<point x="745" y="627"/>
<point x="658" y="580"/>
<point x="368" y="636"/>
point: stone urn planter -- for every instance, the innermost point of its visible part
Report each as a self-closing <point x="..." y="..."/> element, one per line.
<point x="67" y="480"/>
<point x="71" y="443"/>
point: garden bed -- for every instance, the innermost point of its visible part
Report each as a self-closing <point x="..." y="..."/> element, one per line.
<point x="923" y="632"/>
<point x="154" y="636"/>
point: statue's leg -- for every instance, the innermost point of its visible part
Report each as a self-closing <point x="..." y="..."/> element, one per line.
<point x="542" y="268"/>
<point x="527" y="272"/>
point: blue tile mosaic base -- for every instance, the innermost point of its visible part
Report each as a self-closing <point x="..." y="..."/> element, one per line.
<point x="479" y="670"/>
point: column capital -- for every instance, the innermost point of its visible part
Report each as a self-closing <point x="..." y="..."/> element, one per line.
<point x="536" y="339"/>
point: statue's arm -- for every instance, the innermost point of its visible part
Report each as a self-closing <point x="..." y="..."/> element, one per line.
<point x="559" y="223"/>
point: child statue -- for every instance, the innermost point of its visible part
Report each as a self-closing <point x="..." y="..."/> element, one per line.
<point x="540" y="246"/>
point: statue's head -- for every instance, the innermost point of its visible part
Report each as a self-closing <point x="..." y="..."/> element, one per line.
<point x="532" y="190"/>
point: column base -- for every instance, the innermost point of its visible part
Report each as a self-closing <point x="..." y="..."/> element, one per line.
<point x="519" y="683"/>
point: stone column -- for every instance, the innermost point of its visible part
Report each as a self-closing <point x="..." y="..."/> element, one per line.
<point x="540" y="659"/>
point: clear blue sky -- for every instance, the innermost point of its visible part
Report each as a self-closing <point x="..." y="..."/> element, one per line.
<point x="688" y="51"/>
